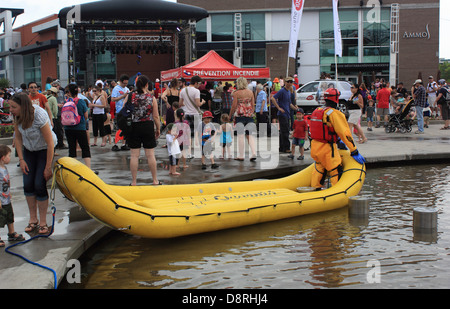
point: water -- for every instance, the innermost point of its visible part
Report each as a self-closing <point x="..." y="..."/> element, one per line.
<point x="328" y="250"/>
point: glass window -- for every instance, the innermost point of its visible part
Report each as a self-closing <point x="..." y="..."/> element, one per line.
<point x="376" y="34"/>
<point x="347" y="19"/>
<point x="376" y="54"/>
<point x="385" y="15"/>
<point x="222" y="27"/>
<point x="253" y="26"/>
<point x="311" y="87"/>
<point x="2" y="45"/>
<point x="201" y="30"/>
<point x="254" y="58"/>
<point x="349" y="48"/>
<point x="1" y="64"/>
<point x="32" y="68"/>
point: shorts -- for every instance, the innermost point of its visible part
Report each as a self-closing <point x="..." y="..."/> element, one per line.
<point x="382" y="111"/>
<point x="370" y="119"/>
<point x="142" y="135"/>
<point x="173" y="160"/>
<point x="298" y="141"/>
<point x="432" y="100"/>
<point x="354" y="116"/>
<point x="207" y="149"/>
<point x="248" y="123"/>
<point x="108" y="129"/>
<point x="445" y="111"/>
<point x="6" y="215"/>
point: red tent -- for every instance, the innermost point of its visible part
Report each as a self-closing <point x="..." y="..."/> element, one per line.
<point x="213" y="67"/>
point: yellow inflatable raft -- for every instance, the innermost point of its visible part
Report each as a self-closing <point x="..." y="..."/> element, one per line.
<point x="177" y="210"/>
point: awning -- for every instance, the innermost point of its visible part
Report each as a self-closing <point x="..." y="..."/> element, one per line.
<point x="213" y="67"/>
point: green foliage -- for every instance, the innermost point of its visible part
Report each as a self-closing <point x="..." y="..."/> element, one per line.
<point x="445" y="70"/>
<point x="4" y="83"/>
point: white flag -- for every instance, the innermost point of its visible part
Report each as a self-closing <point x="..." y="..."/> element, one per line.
<point x="296" y="18"/>
<point x="337" y="30"/>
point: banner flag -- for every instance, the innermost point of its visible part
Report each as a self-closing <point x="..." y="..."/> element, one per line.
<point x="296" y="18"/>
<point x="337" y="30"/>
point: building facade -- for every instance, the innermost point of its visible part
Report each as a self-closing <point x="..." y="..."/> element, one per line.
<point x="33" y="51"/>
<point x="380" y="38"/>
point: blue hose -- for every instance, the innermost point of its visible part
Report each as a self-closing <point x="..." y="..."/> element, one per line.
<point x="34" y="237"/>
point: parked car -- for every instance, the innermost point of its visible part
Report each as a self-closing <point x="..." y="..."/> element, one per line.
<point x="310" y="95"/>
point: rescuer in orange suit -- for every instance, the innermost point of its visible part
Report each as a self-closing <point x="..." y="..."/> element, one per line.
<point x="328" y="128"/>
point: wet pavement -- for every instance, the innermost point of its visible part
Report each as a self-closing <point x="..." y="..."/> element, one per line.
<point x="75" y="231"/>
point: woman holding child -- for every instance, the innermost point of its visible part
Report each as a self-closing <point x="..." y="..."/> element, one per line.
<point x="145" y="118"/>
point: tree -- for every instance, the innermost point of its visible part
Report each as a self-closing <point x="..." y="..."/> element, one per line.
<point x="445" y="70"/>
<point x="4" y="83"/>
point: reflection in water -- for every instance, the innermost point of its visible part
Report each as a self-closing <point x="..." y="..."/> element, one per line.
<point x="315" y="251"/>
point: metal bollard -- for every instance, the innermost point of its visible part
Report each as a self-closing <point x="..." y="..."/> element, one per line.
<point x="424" y="218"/>
<point x="305" y="189"/>
<point x="358" y="206"/>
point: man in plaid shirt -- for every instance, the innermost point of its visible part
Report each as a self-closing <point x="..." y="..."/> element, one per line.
<point x="227" y="99"/>
<point x="420" y="100"/>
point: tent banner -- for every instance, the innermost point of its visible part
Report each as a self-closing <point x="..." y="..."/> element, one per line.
<point x="217" y="74"/>
<point x="169" y="75"/>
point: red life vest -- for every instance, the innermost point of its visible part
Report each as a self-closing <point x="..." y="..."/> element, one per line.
<point x="319" y="129"/>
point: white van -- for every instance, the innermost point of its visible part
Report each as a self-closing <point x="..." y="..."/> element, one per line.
<point x="310" y="95"/>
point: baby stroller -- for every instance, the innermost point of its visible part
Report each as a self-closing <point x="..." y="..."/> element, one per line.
<point x="399" y="121"/>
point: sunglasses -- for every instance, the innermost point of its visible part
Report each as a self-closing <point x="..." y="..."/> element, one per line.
<point x="289" y="81"/>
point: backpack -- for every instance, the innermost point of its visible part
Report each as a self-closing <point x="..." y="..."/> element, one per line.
<point x="319" y="130"/>
<point x="124" y="117"/>
<point x="69" y="113"/>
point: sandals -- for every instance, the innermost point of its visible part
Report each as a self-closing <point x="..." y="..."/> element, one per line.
<point x="445" y="128"/>
<point x="43" y="229"/>
<point x="15" y="237"/>
<point x="31" y="227"/>
<point x="2" y="243"/>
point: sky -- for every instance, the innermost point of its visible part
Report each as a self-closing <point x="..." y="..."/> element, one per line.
<point x="35" y="10"/>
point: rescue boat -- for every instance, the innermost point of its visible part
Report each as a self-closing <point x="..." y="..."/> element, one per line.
<point x="176" y="210"/>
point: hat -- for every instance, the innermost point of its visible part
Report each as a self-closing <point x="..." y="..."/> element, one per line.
<point x="300" y="110"/>
<point x="332" y="94"/>
<point x="207" y="114"/>
<point x="287" y="79"/>
<point x="54" y="90"/>
<point x="276" y="80"/>
<point x="442" y="81"/>
<point x="430" y="76"/>
<point x="418" y="81"/>
<point x="56" y="81"/>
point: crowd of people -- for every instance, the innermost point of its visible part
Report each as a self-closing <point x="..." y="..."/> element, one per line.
<point x="192" y="114"/>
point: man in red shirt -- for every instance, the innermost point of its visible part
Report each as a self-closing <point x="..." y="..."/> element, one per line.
<point x="39" y="99"/>
<point x="383" y="96"/>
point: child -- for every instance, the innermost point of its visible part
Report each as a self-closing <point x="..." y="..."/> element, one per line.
<point x="6" y="210"/>
<point x="173" y="148"/>
<point x="426" y="115"/>
<point x="227" y="131"/>
<point x="370" y="112"/>
<point x="206" y="133"/>
<point x="107" y="125"/>
<point x="185" y="139"/>
<point x="300" y="134"/>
